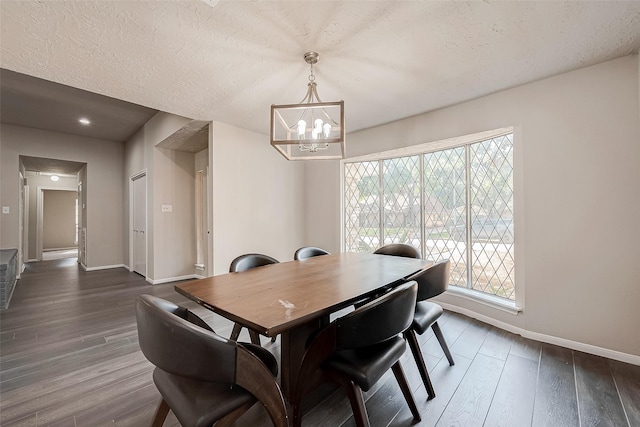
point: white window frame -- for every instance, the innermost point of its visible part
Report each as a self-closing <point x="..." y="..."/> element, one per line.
<point x="510" y="306"/>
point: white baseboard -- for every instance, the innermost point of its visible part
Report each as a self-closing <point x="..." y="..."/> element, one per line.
<point x="549" y="339"/>
<point x="101" y="267"/>
<point x="174" y="279"/>
<point x="60" y="249"/>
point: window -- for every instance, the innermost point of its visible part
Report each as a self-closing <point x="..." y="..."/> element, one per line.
<point x="455" y="203"/>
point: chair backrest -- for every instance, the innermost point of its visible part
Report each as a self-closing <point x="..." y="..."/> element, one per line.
<point x="247" y="261"/>
<point x="432" y="281"/>
<point x="309" y="252"/>
<point x="378" y="320"/>
<point x="180" y="346"/>
<point x="399" y="249"/>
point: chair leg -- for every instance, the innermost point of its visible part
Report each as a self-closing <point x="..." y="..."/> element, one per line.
<point x="406" y="390"/>
<point x="438" y="332"/>
<point x="255" y="338"/>
<point x="410" y="335"/>
<point x="161" y="414"/>
<point x="236" y="332"/>
<point x="357" y="403"/>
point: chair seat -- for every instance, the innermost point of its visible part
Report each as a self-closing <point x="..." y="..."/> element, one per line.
<point x="426" y="314"/>
<point x="189" y="399"/>
<point x="367" y="365"/>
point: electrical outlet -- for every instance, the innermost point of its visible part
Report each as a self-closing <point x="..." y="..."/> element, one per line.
<point x="5" y="209"/>
<point x="167" y="208"/>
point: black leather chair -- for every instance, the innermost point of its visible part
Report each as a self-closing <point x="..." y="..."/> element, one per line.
<point x="202" y="376"/>
<point x="399" y="249"/>
<point x="357" y="349"/>
<point x="393" y="249"/>
<point x="431" y="282"/>
<point x="308" y="252"/>
<point x="243" y="263"/>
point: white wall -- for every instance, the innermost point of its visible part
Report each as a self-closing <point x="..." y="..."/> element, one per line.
<point x="258" y="198"/>
<point x="322" y="204"/>
<point x="174" y="236"/>
<point x="577" y="198"/>
<point x="104" y="220"/>
<point x="169" y="235"/>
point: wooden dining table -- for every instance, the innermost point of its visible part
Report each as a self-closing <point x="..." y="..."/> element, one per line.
<point x="294" y="299"/>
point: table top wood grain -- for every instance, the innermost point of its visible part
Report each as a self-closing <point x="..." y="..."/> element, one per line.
<point x="278" y="297"/>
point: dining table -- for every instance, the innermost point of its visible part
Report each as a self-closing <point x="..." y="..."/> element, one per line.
<point x="294" y="299"/>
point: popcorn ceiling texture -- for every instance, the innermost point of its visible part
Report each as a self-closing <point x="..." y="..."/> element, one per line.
<point x="230" y="60"/>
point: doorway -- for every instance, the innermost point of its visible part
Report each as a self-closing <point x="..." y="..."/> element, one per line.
<point x="37" y="176"/>
<point x="57" y="235"/>
<point x="138" y="229"/>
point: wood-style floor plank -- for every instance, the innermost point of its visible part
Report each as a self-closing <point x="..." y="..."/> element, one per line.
<point x="627" y="378"/>
<point x="598" y="399"/>
<point x="446" y="380"/>
<point x="69" y="356"/>
<point x="512" y="404"/>
<point x="556" y="400"/>
<point x="471" y="401"/>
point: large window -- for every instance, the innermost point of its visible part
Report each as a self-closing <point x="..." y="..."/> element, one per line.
<point x="454" y="203"/>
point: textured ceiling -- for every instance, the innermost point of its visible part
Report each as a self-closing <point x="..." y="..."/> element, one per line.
<point x="51" y="166"/>
<point x="230" y="60"/>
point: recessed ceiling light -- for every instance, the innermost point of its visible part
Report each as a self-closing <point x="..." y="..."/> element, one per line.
<point x="85" y="121"/>
<point x="54" y="177"/>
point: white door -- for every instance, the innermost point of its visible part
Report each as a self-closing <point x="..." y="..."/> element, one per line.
<point x="23" y="244"/>
<point x="139" y="215"/>
<point x="82" y="231"/>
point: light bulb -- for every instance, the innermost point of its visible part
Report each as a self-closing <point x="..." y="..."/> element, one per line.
<point x="302" y="128"/>
<point x="317" y="130"/>
<point x="327" y="130"/>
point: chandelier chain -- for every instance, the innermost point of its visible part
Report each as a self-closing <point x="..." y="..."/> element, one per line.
<point x="312" y="77"/>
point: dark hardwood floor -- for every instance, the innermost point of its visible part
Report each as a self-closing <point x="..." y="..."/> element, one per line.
<point x="69" y="356"/>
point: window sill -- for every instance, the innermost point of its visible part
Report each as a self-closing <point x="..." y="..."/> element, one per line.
<point x="484" y="299"/>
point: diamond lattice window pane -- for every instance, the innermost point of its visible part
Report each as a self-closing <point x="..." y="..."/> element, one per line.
<point x="401" y="200"/>
<point x="491" y="192"/>
<point x="361" y="206"/>
<point x="445" y="211"/>
<point x="466" y="214"/>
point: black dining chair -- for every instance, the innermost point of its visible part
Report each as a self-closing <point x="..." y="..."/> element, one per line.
<point x="431" y="282"/>
<point x="244" y="263"/>
<point x="393" y="249"/>
<point x="356" y="350"/>
<point x="202" y="377"/>
<point x="399" y="249"/>
<point x="308" y="252"/>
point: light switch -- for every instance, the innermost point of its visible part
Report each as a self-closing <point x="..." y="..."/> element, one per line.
<point x="5" y="209"/>
<point x="167" y="208"/>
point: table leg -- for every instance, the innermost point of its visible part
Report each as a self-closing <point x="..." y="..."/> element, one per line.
<point x="292" y="348"/>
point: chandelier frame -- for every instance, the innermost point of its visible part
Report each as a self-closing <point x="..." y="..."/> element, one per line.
<point x="294" y="139"/>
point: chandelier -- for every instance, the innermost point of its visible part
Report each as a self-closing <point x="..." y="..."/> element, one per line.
<point x="311" y="129"/>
